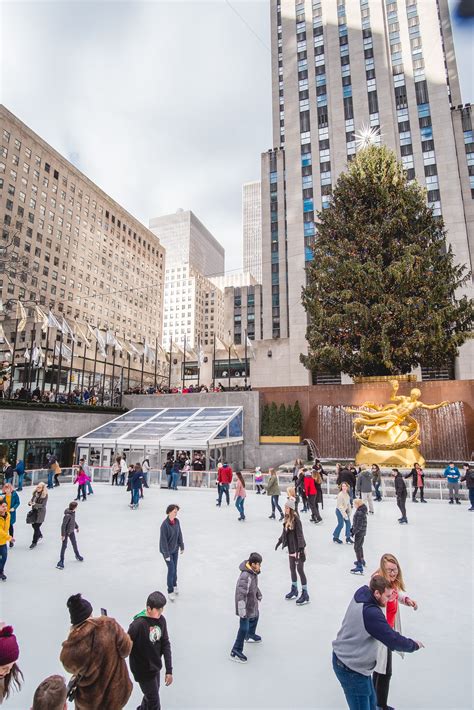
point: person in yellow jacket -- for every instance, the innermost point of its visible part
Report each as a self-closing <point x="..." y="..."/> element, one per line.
<point x="5" y="536"/>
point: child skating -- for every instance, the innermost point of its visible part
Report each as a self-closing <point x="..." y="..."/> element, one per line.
<point x="359" y="529"/>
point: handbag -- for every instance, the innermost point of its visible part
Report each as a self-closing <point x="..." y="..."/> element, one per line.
<point x="31" y="517"/>
<point x="75" y="680"/>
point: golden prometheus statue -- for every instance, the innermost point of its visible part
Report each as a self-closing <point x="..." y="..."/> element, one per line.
<point x="389" y="435"/>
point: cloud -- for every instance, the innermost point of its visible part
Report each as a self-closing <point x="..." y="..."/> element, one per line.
<point x="163" y="105"/>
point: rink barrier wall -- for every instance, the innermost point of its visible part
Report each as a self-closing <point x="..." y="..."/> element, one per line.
<point x="435" y="484"/>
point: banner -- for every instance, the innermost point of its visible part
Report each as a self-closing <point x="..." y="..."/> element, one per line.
<point x="53" y="322"/>
<point x="251" y="348"/>
<point x="41" y="317"/>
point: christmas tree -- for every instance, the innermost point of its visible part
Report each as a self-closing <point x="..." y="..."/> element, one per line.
<point x="382" y="293"/>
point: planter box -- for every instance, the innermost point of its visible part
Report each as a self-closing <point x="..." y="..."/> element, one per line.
<point x="280" y="439"/>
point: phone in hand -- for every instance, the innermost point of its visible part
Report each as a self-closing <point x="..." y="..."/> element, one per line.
<point x="103" y="611"/>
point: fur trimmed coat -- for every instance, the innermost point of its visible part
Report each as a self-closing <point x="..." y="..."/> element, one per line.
<point x="99" y="657"/>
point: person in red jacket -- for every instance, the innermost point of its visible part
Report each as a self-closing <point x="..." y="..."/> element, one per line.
<point x="311" y="492"/>
<point x="224" y="479"/>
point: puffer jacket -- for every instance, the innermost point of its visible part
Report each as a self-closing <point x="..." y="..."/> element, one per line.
<point x="247" y="593"/>
<point x="359" y="521"/>
<point x="364" y="482"/>
<point x="400" y="487"/>
<point x="69" y="523"/>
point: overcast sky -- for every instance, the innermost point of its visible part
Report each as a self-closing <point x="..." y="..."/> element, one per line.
<point x="162" y="104"/>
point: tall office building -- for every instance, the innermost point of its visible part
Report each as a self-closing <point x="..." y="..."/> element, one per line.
<point x="187" y="241"/>
<point x="252" y="228"/>
<point x="87" y="258"/>
<point x="193" y="306"/>
<point x="339" y="65"/>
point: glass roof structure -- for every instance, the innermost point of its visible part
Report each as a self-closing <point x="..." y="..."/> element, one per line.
<point x="184" y="427"/>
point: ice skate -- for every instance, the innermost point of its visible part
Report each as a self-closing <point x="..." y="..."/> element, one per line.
<point x="237" y="656"/>
<point x="303" y="599"/>
<point x="292" y="593"/>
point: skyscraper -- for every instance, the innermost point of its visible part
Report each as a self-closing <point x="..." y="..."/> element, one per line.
<point x="340" y="65"/>
<point x="252" y="228"/>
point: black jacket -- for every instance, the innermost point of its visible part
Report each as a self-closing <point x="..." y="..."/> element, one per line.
<point x="292" y="539"/>
<point x="469" y="477"/>
<point x="150" y="642"/>
<point x="414" y="477"/>
<point x="400" y="487"/>
<point x="69" y="523"/>
<point x="346" y="476"/>
<point x="359" y="521"/>
<point x="171" y="538"/>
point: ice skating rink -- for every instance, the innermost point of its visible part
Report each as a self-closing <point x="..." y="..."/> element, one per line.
<point x="291" y="669"/>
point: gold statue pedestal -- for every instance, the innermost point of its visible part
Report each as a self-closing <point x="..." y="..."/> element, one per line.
<point x="405" y="458"/>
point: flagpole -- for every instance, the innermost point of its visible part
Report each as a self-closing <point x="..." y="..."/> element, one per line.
<point x="128" y="374"/>
<point x="143" y="365"/>
<point x="54" y="360"/>
<point x="214" y="363"/>
<point x="83" y="370"/>
<point x="12" y="376"/>
<point x="184" y="361"/>
<point x="171" y="354"/>
<point x="95" y="364"/>
<point x="245" y="358"/>
<point x="30" y="364"/>
<point x="229" y="368"/>
<point x="156" y="357"/>
<point x="199" y="360"/>
<point x="113" y="375"/>
<point x="70" y="373"/>
<point x="105" y="373"/>
<point x="60" y="360"/>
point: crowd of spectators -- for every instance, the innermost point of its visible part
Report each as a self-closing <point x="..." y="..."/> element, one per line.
<point x="187" y="389"/>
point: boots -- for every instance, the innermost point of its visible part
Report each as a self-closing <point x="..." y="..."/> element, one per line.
<point x="458" y="502"/>
<point x="304" y="598"/>
<point x="272" y="516"/>
<point x="451" y="501"/>
<point x="358" y="569"/>
<point x="414" y="500"/>
<point x="292" y="593"/>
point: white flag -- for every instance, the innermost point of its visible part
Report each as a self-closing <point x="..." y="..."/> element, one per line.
<point x="21" y="316"/>
<point x="200" y="354"/>
<point x="100" y="342"/>
<point x="27" y="355"/>
<point x="64" y="350"/>
<point x="53" y="322"/>
<point x="4" y="339"/>
<point x="41" y="317"/>
<point x="149" y="352"/>
<point x="81" y="334"/>
<point x="67" y="330"/>
<point x="250" y="347"/>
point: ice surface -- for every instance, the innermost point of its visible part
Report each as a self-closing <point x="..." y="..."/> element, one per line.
<point x="291" y="669"/>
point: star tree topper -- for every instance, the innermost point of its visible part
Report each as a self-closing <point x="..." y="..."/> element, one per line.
<point x="367" y="136"/>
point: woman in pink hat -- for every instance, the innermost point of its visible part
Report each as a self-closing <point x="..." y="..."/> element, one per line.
<point x="10" y="675"/>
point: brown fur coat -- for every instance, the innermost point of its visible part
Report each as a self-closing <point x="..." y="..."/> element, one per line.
<point x="106" y="684"/>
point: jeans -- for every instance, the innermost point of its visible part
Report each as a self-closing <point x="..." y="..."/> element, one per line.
<point x="135" y="496"/>
<point x="145" y="481"/>
<point x="471" y="497"/>
<point x="340" y="524"/>
<point x="20" y="481"/>
<point x="3" y="556"/>
<point x="36" y="532"/>
<point x="122" y="479"/>
<point x="89" y="488"/>
<point x="401" y="501"/>
<point x="223" y="489"/>
<point x="247" y="627"/>
<point x="151" y="693"/>
<point x="172" y="578"/>
<point x="358" y="688"/>
<point x="239" y="504"/>
<point x="276" y="505"/>
<point x="358" y="546"/>
<point x="50" y="479"/>
<point x="71" y="537"/>
<point x="81" y="489"/>
<point x="174" y="480"/>
<point x="378" y="495"/>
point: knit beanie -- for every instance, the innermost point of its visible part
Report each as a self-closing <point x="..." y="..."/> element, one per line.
<point x="290" y="503"/>
<point x="9" y="650"/>
<point x="79" y="609"/>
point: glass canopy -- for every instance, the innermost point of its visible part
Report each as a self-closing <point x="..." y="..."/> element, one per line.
<point x="196" y="427"/>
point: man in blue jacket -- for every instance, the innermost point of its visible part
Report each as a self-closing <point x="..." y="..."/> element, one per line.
<point x="355" y="648"/>
<point x="452" y="475"/>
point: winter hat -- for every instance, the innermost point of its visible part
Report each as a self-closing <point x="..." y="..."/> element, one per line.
<point x="79" y="609"/>
<point x="9" y="650"/>
<point x="290" y="503"/>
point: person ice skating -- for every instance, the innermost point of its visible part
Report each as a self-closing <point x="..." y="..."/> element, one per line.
<point x="123" y="470"/>
<point x="116" y="471"/>
<point x="5" y="537"/>
<point x="146" y="470"/>
<point x="224" y="479"/>
<point x="273" y="490"/>
<point x="292" y="537"/>
<point x="51" y="694"/>
<point x="343" y="515"/>
<point x="318" y="473"/>
<point x="171" y="543"/>
<point x="359" y="529"/>
<point x="452" y="475"/>
<point x="401" y="494"/>
<point x="239" y="495"/>
<point x="81" y="480"/>
<point x="37" y="514"/>
<point x="300" y="490"/>
<point x="51" y="461"/>
<point x="364" y="629"/>
<point x="87" y="471"/>
<point x="418" y="481"/>
<point x="20" y="472"/>
<point x="258" y="480"/>
<point x="345" y="475"/>
<point x="391" y="571"/>
<point x="149" y="634"/>
<point x="136" y="485"/>
<point x="311" y="493"/>
<point x="11" y="676"/>
<point x="168" y="469"/>
<point x="468" y="478"/>
<point x="95" y="653"/>
<point x="69" y="528"/>
<point x="377" y="481"/>
<point x="364" y="487"/>
<point x="12" y="499"/>
<point x="247" y="598"/>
